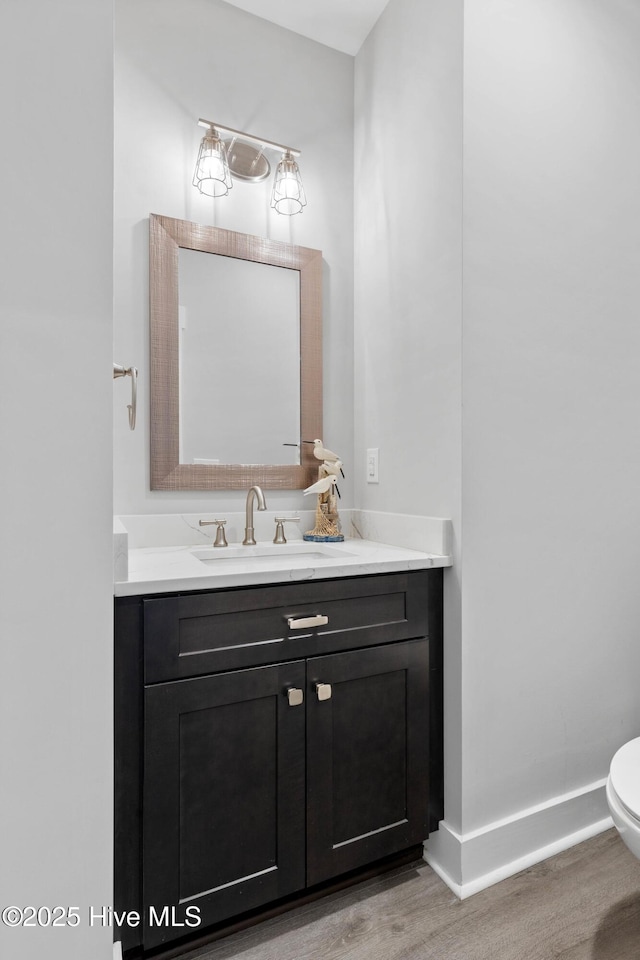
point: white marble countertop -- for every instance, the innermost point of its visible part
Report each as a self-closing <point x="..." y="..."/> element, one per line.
<point x="177" y="568"/>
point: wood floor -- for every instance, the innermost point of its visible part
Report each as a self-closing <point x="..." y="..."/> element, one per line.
<point x="583" y="904"/>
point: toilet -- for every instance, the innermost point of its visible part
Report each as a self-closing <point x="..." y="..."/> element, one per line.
<point x="623" y="794"/>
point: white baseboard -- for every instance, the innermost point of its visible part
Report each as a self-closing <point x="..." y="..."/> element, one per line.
<point x="473" y="861"/>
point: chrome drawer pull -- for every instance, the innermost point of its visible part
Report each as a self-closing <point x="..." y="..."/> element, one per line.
<point x="303" y="622"/>
<point x="323" y="691"/>
<point x="295" y="696"/>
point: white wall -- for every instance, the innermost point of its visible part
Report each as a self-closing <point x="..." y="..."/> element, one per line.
<point x="56" y="83"/>
<point x="542" y="686"/>
<point x="408" y="169"/>
<point x="551" y="401"/>
<point x="176" y="62"/>
<point x="408" y="243"/>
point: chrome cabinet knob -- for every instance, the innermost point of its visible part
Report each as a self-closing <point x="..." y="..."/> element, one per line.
<point x="295" y="696"/>
<point x="323" y="690"/>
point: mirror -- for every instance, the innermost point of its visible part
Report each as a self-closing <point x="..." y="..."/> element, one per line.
<point x="252" y="350"/>
<point x="235" y="360"/>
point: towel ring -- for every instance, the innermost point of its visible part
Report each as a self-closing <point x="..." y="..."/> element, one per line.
<point x="120" y="371"/>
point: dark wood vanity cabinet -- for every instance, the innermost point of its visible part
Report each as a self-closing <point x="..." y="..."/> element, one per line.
<point x="255" y="759"/>
<point x="224" y="793"/>
<point x="367" y="756"/>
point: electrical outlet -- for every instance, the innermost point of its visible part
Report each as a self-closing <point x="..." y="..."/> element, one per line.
<point x="372" y="465"/>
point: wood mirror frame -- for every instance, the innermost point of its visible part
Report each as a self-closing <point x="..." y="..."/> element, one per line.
<point x="166" y="237"/>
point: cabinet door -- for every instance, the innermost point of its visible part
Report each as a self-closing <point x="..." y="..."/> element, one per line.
<point x="223" y="808"/>
<point x="367" y="759"/>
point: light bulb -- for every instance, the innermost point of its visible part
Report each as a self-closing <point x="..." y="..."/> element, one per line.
<point x="288" y="195"/>
<point x="211" y="175"/>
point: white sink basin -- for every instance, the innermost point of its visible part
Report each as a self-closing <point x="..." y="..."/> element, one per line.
<point x="305" y="553"/>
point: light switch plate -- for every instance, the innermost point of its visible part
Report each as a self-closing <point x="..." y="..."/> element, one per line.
<point x="372" y="465"/>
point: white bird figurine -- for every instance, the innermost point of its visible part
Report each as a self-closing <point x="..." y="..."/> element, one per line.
<point x="321" y="453"/>
<point x="321" y="486"/>
<point x="334" y="468"/>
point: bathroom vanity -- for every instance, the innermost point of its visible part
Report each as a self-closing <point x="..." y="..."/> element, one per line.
<point x="271" y="737"/>
<point x="278" y="705"/>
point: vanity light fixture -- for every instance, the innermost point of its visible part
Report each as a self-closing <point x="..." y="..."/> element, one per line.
<point x="212" y="176"/>
<point x="242" y="157"/>
<point x="288" y="195"/>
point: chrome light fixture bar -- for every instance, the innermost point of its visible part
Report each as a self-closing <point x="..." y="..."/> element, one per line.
<point x="259" y="141"/>
<point x="219" y="160"/>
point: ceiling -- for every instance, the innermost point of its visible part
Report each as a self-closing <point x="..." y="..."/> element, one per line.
<point x="341" y="24"/>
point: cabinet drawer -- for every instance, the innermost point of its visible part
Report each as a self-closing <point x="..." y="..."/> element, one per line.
<point x="196" y="634"/>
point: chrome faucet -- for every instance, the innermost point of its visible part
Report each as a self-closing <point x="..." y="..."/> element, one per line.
<point x="255" y="493"/>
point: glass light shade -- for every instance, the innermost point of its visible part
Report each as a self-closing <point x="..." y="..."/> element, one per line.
<point x="211" y="175"/>
<point x="288" y="195"/>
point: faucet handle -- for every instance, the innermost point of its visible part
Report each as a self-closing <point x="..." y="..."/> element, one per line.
<point x="221" y="540"/>
<point x="280" y="521"/>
